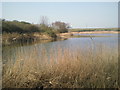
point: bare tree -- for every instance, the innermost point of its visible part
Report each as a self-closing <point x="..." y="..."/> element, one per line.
<point x="60" y="26"/>
<point x="44" y="20"/>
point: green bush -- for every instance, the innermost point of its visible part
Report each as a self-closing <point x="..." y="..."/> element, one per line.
<point x="51" y="33"/>
<point x="18" y="27"/>
<point x="25" y="27"/>
<point x="48" y="30"/>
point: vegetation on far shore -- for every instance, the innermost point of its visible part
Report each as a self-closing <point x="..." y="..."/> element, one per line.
<point x="13" y="31"/>
<point x="93" y="29"/>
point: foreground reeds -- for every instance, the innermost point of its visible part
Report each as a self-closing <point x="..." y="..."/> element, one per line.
<point x="63" y="69"/>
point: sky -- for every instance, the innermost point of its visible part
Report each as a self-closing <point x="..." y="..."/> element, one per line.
<point x="77" y="14"/>
<point x="60" y="0"/>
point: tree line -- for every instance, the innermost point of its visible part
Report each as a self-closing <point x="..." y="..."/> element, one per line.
<point x="26" y="27"/>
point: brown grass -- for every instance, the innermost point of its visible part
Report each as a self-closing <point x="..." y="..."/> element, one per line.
<point x="67" y="70"/>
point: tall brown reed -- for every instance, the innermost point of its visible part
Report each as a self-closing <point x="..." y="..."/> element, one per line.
<point x="66" y="69"/>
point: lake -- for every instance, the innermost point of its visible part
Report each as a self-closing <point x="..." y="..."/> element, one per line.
<point x="12" y="52"/>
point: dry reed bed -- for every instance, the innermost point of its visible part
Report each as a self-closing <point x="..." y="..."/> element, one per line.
<point x="67" y="70"/>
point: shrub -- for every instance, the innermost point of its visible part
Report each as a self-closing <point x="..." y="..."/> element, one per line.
<point x="60" y="27"/>
<point x="48" y="30"/>
<point x="18" y="27"/>
<point x="51" y="33"/>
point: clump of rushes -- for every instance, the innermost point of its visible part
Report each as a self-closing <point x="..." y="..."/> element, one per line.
<point x="78" y="69"/>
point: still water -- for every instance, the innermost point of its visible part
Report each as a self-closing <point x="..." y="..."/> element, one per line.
<point x="12" y="52"/>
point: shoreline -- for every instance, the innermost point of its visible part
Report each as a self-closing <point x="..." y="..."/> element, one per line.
<point x="71" y="34"/>
<point x="93" y="32"/>
<point x="98" y="32"/>
<point x="11" y="39"/>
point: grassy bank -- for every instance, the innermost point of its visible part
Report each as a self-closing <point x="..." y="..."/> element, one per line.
<point x="13" y="38"/>
<point x="94" y="29"/>
<point x="21" y="31"/>
<point x="77" y="69"/>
